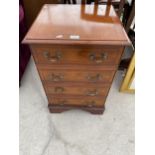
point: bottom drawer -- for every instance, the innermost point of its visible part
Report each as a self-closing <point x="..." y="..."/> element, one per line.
<point x="85" y="101"/>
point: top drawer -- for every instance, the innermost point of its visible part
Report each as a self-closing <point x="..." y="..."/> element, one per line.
<point x="77" y="55"/>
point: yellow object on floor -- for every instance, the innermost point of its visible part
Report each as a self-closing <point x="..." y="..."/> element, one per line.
<point x="129" y="80"/>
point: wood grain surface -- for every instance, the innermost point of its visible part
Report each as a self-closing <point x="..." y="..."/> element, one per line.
<point x="77" y="24"/>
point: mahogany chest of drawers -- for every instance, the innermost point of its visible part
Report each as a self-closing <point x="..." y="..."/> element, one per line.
<point x="77" y="49"/>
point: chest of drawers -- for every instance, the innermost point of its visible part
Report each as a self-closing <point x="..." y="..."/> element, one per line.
<point x="77" y="52"/>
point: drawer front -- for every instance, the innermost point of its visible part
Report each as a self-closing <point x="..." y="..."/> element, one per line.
<point x="88" y="102"/>
<point x="87" y="90"/>
<point x="73" y="76"/>
<point x="87" y="56"/>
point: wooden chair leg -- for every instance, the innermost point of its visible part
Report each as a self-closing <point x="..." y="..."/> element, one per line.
<point x="64" y="1"/>
<point x="131" y="17"/>
<point x="74" y="2"/>
<point x="69" y="2"/>
<point x="121" y="6"/>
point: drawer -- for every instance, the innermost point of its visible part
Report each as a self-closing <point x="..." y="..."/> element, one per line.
<point x="87" y="101"/>
<point x="74" y="76"/>
<point x="87" y="56"/>
<point x="72" y="89"/>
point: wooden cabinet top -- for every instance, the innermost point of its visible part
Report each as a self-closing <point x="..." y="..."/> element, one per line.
<point x="77" y="24"/>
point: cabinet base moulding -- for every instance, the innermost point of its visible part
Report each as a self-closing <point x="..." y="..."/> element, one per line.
<point x="59" y="109"/>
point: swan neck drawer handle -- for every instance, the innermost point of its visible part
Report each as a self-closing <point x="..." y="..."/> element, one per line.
<point x="53" y="58"/>
<point x="92" y="93"/>
<point x="54" y="77"/>
<point x="90" y="103"/>
<point x="98" y="59"/>
<point x="95" y="78"/>
<point x="59" y="90"/>
<point x="61" y="103"/>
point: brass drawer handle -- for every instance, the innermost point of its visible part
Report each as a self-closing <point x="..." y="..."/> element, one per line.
<point x="54" y="58"/>
<point x="59" y="89"/>
<point x="94" y="78"/>
<point x="96" y="59"/>
<point x="92" y="93"/>
<point x="61" y="103"/>
<point x="90" y="103"/>
<point x="54" y="77"/>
